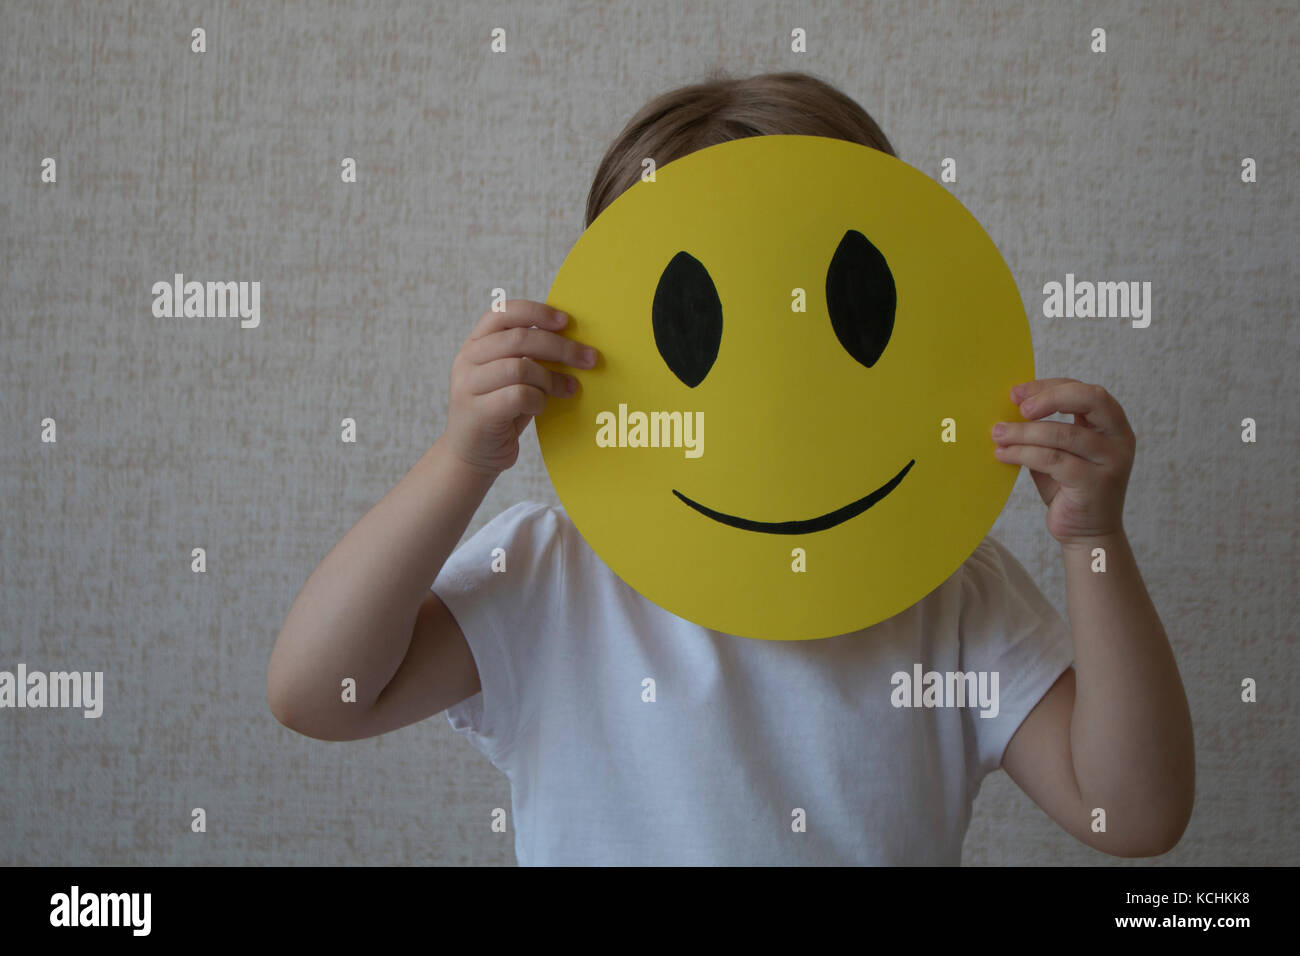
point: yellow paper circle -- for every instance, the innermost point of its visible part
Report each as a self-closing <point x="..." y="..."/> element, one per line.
<point x="796" y="428"/>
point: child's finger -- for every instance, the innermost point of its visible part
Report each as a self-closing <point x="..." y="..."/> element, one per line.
<point x="517" y="370"/>
<point x="538" y="344"/>
<point x="1077" y="398"/>
<point x="515" y="400"/>
<point x="1022" y="391"/>
<point x="1066" y="468"/>
<point x="518" y="313"/>
<point x="1077" y="440"/>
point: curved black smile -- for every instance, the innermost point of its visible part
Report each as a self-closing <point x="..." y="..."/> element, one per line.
<point x="829" y="520"/>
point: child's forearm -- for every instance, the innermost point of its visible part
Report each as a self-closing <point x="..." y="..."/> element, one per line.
<point x="1131" y="730"/>
<point x="355" y="614"/>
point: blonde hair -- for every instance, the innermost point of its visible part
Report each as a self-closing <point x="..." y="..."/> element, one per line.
<point x="723" y="108"/>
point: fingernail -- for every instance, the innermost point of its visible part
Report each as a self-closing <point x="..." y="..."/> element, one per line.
<point x="1027" y="408"/>
<point x="589" y="356"/>
<point x="571" y="385"/>
<point x="998" y="430"/>
<point x="561" y="318"/>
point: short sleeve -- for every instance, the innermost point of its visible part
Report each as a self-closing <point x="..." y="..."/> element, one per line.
<point x="1007" y="628"/>
<point x="495" y="596"/>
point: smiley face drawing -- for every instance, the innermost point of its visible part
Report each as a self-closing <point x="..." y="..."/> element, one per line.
<point x="804" y="344"/>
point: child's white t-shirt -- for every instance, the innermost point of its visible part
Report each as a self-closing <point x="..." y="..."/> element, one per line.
<point x="752" y="752"/>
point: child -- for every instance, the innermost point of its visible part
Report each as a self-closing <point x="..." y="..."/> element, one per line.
<point x="752" y="752"/>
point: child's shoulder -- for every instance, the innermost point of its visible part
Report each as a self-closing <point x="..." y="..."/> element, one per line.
<point x="535" y="523"/>
<point x="996" y="587"/>
<point x="992" y="559"/>
<point x="529" y="534"/>
<point x="532" y="512"/>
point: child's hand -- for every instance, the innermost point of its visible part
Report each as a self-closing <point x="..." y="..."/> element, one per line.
<point x="1081" y="469"/>
<point x="497" y="386"/>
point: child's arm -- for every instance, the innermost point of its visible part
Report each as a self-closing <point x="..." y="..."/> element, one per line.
<point x="1114" y="733"/>
<point x="366" y="612"/>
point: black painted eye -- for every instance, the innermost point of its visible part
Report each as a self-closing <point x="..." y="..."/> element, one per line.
<point x="860" y="297"/>
<point x="687" y="317"/>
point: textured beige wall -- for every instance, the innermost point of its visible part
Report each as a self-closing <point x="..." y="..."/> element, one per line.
<point x="473" y="172"/>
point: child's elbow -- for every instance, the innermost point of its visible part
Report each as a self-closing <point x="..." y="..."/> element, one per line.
<point x="1157" y="843"/>
<point x="281" y="706"/>
<point x="1155" y="839"/>
<point x="285" y="706"/>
